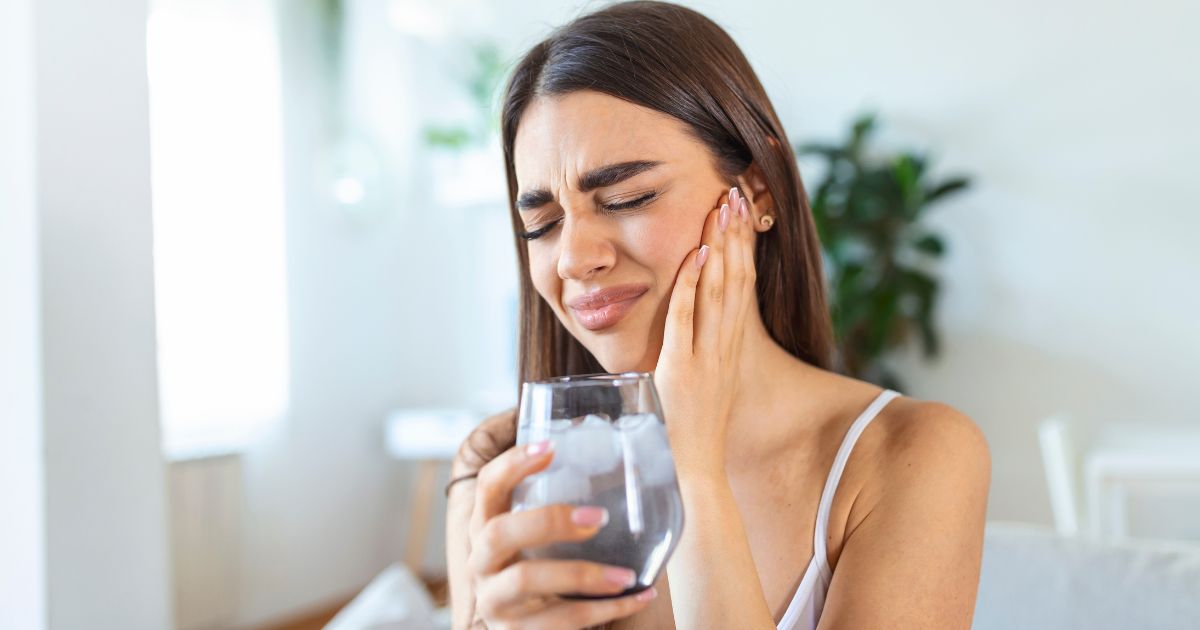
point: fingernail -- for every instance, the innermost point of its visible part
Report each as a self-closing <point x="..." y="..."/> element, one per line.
<point x="589" y="516"/>
<point x="702" y="256"/>
<point x="723" y="219"/>
<point x="733" y="196"/>
<point x="646" y="595"/>
<point x="620" y="577"/>
<point x="744" y="210"/>
<point x="537" y="448"/>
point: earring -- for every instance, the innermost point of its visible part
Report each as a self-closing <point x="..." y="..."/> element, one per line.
<point x="767" y="221"/>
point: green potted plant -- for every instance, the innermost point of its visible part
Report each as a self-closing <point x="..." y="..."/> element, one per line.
<point x="880" y="259"/>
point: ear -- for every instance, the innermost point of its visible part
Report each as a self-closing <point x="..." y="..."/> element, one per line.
<point x="753" y="185"/>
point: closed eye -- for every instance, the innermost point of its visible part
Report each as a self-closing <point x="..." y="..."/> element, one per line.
<point x="610" y="207"/>
<point x="633" y="203"/>
<point x="535" y="234"/>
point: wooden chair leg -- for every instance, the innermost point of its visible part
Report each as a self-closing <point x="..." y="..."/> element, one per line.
<point x="420" y="516"/>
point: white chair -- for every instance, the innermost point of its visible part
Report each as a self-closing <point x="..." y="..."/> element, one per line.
<point x="1093" y="471"/>
<point x="1062" y="463"/>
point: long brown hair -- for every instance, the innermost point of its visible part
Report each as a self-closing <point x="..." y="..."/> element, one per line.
<point x="676" y="61"/>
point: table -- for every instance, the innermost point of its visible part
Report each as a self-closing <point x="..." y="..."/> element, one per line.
<point x="430" y="438"/>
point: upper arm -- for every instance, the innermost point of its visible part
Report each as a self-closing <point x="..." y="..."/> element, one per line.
<point x="913" y="560"/>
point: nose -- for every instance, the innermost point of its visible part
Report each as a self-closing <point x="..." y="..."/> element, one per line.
<point x="585" y="249"/>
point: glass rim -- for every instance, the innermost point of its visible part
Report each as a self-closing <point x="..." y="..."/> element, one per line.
<point x="596" y="378"/>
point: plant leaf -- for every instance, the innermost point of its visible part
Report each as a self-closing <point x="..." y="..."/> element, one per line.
<point x="863" y="126"/>
<point x="947" y="187"/>
<point x="867" y="212"/>
<point x="828" y="151"/>
<point x="931" y="244"/>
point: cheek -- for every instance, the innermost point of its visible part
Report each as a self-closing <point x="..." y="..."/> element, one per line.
<point x="543" y="272"/>
<point x="662" y="241"/>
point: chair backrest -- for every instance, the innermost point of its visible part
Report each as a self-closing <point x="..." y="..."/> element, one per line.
<point x="1061" y="459"/>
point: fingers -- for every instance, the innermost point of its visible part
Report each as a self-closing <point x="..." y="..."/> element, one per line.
<point x="710" y="293"/>
<point x="708" y="304"/>
<point x="502" y="537"/>
<point x="681" y="312"/>
<point x="581" y="614"/>
<point x="750" y="280"/>
<point x="736" y="242"/>
<point x="498" y="478"/>
<point x="739" y="269"/>
<point x="509" y="591"/>
<point x="492" y="437"/>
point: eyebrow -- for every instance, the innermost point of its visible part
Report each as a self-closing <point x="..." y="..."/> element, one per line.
<point x="596" y="178"/>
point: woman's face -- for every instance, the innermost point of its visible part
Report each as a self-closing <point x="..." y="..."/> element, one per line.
<point x="613" y="196"/>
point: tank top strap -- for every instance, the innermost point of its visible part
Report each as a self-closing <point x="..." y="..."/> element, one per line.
<point x="835" y="475"/>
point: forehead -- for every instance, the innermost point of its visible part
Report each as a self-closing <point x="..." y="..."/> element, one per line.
<point x="564" y="135"/>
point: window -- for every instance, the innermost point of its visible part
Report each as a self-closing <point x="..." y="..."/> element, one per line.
<point x="217" y="176"/>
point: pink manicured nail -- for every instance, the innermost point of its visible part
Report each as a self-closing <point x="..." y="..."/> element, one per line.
<point x="723" y="218"/>
<point x="702" y="256"/>
<point x="733" y="196"/>
<point x="589" y="516"/>
<point x="620" y="577"/>
<point x="744" y="210"/>
<point x="646" y="595"/>
<point x="537" y="448"/>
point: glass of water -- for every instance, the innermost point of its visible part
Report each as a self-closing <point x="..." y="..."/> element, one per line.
<point x="610" y="450"/>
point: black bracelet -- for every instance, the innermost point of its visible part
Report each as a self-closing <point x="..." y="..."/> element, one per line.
<point x="458" y="479"/>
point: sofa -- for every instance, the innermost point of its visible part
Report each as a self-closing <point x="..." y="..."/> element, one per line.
<point x="1036" y="579"/>
<point x="1032" y="579"/>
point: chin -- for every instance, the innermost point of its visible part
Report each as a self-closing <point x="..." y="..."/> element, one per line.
<point x="616" y="355"/>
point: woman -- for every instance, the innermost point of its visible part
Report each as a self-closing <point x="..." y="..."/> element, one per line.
<point x="662" y="226"/>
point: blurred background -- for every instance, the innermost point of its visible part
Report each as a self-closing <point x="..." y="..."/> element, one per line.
<point x="257" y="281"/>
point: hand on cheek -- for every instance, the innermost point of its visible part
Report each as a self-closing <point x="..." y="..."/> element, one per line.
<point x="697" y="369"/>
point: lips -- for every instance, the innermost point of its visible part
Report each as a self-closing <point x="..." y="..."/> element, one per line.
<point x="603" y="308"/>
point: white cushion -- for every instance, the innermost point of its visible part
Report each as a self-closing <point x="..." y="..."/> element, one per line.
<point x="394" y="600"/>
<point x="1034" y="579"/>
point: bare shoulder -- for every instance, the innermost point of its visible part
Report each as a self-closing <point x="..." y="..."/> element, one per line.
<point x="930" y="437"/>
<point x="908" y="434"/>
<point x="913" y="540"/>
<point x="926" y="458"/>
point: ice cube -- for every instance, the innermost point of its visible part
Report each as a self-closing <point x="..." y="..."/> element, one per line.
<point x="551" y="486"/>
<point x="589" y="448"/>
<point x="595" y="421"/>
<point x="633" y="421"/>
<point x="644" y="441"/>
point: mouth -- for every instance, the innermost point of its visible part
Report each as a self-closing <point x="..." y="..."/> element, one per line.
<point x="604" y="308"/>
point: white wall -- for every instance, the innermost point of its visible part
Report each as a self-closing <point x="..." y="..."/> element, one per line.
<point x="1072" y="118"/>
<point x="106" y="562"/>
<point x="321" y="507"/>
<point x="22" y="539"/>
<point x="1071" y="284"/>
<point x="324" y="503"/>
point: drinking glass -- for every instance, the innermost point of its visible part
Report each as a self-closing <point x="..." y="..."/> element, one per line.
<point x="610" y="450"/>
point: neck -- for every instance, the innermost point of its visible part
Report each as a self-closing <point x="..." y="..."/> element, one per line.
<point x="769" y="380"/>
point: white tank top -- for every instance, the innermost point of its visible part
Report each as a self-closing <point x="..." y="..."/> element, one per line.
<point x="804" y="611"/>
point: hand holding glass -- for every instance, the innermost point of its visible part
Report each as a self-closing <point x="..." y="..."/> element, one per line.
<point x="610" y="450"/>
